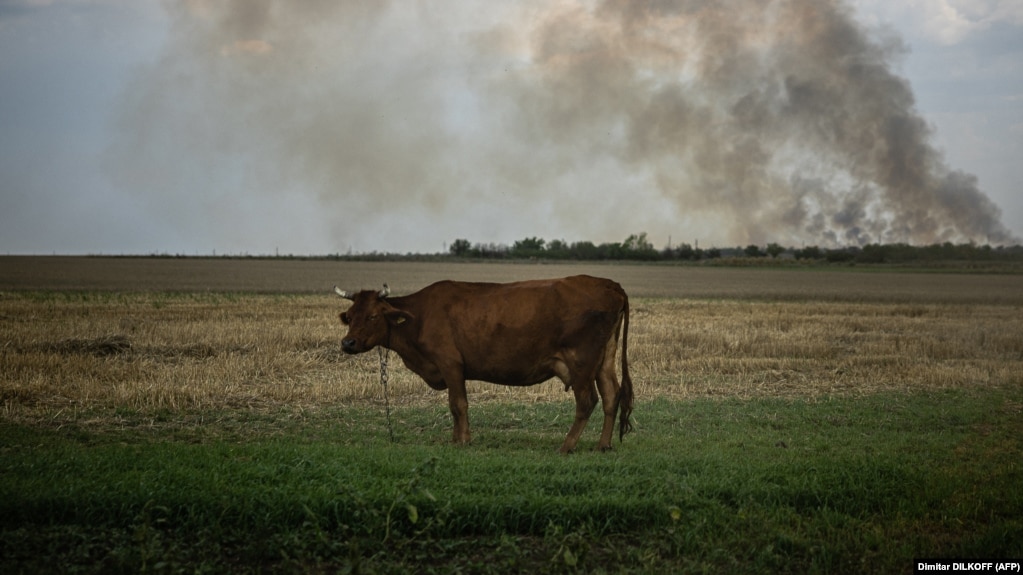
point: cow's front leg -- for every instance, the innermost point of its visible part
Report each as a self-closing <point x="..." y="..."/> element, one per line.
<point x="459" y="404"/>
<point x="585" y="401"/>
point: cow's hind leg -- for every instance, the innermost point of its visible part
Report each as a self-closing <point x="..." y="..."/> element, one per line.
<point x="607" y="384"/>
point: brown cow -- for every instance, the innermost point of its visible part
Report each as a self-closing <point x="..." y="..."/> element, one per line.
<point x="521" y="333"/>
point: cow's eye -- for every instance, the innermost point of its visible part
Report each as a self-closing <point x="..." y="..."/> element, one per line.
<point x="344" y="318"/>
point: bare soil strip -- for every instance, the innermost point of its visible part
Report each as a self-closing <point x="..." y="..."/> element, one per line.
<point x="660" y="281"/>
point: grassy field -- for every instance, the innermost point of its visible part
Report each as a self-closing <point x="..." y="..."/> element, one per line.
<point x="197" y="415"/>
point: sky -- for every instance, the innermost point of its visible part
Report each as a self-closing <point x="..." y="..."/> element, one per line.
<point x="201" y="127"/>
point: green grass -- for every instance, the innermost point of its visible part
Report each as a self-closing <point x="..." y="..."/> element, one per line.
<point x="758" y="485"/>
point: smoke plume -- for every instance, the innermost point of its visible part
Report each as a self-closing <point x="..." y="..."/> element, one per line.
<point x="740" y="121"/>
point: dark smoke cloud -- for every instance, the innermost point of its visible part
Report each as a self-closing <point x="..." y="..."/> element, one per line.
<point x="744" y="121"/>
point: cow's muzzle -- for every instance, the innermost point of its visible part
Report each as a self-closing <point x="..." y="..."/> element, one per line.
<point x="349" y="345"/>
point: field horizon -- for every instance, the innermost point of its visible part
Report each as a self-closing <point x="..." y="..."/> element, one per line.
<point x="294" y="276"/>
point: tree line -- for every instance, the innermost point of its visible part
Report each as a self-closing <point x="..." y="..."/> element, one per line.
<point x="638" y="247"/>
<point x="635" y="247"/>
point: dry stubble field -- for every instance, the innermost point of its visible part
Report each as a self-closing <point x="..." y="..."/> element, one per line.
<point x="87" y="336"/>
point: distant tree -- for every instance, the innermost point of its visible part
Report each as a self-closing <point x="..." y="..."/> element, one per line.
<point x="637" y="246"/>
<point x="809" y="253"/>
<point x="528" y="248"/>
<point x="839" y="256"/>
<point x="637" y="243"/>
<point x="490" y="251"/>
<point x="584" y="251"/>
<point x="774" y="250"/>
<point x="461" y="248"/>
<point x="875" y="254"/>
<point x="753" y="251"/>
<point x="611" y="251"/>
<point x="557" y="249"/>
<point x="685" y="252"/>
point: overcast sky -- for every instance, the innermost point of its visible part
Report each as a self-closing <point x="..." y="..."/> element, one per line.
<point x="319" y="126"/>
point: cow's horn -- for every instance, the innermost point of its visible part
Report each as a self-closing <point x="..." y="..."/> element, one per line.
<point x="342" y="293"/>
<point x="385" y="292"/>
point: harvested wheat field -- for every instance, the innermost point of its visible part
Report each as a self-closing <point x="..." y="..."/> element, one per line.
<point x="167" y="334"/>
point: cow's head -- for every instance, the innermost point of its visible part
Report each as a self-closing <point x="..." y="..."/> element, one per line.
<point x="369" y="319"/>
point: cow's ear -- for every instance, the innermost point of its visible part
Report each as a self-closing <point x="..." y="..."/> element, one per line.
<point x="398" y="317"/>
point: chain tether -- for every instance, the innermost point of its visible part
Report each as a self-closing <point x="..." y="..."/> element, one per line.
<point x="383" y="353"/>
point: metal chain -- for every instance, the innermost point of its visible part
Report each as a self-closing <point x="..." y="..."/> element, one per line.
<point x="383" y="353"/>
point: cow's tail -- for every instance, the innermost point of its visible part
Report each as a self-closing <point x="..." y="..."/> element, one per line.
<point x="624" y="399"/>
